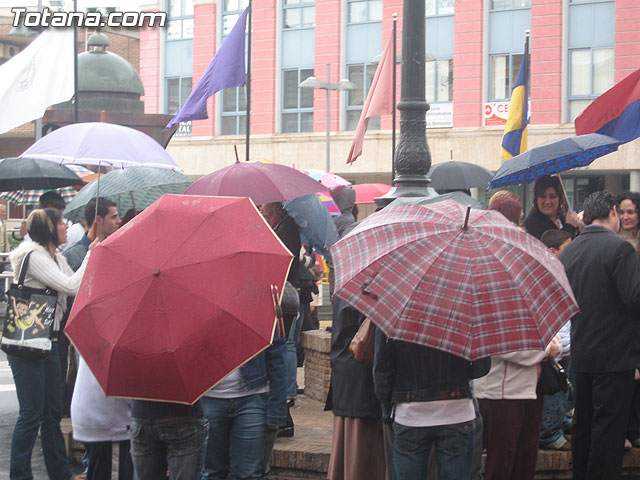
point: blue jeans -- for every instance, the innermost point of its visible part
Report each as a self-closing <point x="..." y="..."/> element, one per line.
<point x="454" y="451"/>
<point x="293" y="340"/>
<point x="553" y="418"/>
<point x="176" y="443"/>
<point x="237" y="436"/>
<point x="39" y="390"/>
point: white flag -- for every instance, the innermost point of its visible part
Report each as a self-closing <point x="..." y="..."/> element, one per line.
<point x="39" y="76"/>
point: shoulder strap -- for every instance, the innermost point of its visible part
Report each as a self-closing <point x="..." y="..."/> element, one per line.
<point x="23" y="268"/>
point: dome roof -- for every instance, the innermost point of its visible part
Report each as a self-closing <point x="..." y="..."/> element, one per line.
<point x="102" y="71"/>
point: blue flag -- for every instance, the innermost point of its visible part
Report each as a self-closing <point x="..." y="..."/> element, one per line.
<point x="227" y="69"/>
<point x="514" y="140"/>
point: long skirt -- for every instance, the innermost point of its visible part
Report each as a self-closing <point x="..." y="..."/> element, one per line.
<point x="357" y="449"/>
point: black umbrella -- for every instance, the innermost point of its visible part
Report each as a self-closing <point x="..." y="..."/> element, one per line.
<point x="459" y="176"/>
<point x="31" y="174"/>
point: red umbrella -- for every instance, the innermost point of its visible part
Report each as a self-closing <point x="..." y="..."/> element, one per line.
<point x="475" y="291"/>
<point x="368" y="192"/>
<point x="262" y="182"/>
<point x="179" y="297"/>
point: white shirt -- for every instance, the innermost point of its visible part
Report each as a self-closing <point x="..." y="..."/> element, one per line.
<point x="433" y="414"/>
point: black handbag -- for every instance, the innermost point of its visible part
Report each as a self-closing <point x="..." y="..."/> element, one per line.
<point x="553" y="378"/>
<point x="29" y="319"/>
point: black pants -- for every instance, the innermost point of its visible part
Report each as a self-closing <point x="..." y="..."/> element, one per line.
<point x="602" y="403"/>
<point x="100" y="454"/>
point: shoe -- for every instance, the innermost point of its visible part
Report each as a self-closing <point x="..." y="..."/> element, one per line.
<point x="564" y="447"/>
<point x="627" y="444"/>
<point x="287" y="430"/>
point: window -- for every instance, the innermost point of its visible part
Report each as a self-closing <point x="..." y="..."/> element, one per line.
<point x="297" y="103"/>
<point x="177" y="92"/>
<point x="438" y="7"/>
<point x="360" y="11"/>
<point x="180" y="24"/>
<point x="178" y="69"/>
<point x="509" y="4"/>
<point x="361" y="76"/>
<point x="439" y="80"/>
<point x="298" y="14"/>
<point x="590" y="74"/>
<point x="233" y="100"/>
<point x="504" y="72"/>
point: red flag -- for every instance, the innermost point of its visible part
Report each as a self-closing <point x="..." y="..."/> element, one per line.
<point x="379" y="100"/>
<point x="616" y="112"/>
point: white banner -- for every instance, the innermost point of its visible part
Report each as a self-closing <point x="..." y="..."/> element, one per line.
<point x="39" y="76"/>
<point x="440" y="115"/>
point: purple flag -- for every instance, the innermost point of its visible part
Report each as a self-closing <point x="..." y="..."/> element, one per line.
<point x="227" y="69"/>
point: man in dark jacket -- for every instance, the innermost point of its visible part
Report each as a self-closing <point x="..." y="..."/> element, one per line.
<point x="427" y="393"/>
<point x="604" y="272"/>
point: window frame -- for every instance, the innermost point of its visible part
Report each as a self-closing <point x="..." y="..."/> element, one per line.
<point x="435" y="83"/>
<point x="239" y="115"/>
<point x="299" y="110"/>
<point x="511" y="7"/>
<point x="590" y="97"/>
<point x="512" y="79"/>
<point x="436" y="6"/>
<point x="374" y="122"/>
<point x="181" y="18"/>
<point x="300" y="6"/>
<point x="367" y="11"/>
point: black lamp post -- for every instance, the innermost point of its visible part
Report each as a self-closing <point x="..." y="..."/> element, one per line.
<point x="412" y="157"/>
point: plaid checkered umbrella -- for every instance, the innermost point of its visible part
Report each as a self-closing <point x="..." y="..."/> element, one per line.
<point x="554" y="156"/>
<point x="478" y="291"/>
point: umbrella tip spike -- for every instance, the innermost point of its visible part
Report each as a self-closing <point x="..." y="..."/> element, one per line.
<point x="466" y="218"/>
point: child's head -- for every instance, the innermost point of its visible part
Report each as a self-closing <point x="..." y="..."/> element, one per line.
<point x="556" y="240"/>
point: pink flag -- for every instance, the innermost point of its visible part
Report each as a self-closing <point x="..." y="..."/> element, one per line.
<point x="379" y="100"/>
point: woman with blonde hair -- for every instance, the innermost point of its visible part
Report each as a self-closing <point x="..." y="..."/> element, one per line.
<point x="38" y="381"/>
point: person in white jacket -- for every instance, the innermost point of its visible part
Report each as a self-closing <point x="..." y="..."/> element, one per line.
<point x="512" y="413"/>
<point x="100" y="423"/>
<point x="38" y="382"/>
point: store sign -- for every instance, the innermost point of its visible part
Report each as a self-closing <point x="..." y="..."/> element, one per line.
<point x="184" y="129"/>
<point x="440" y="115"/>
<point x="497" y="113"/>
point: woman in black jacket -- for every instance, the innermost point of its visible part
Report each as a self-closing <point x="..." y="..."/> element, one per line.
<point x="548" y="209"/>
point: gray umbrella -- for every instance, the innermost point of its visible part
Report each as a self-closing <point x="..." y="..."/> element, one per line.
<point x="134" y="187"/>
<point x="459" y="176"/>
<point x="460" y="197"/>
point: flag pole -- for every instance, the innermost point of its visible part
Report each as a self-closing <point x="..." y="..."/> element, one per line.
<point x="75" y="66"/>
<point x="393" y="114"/>
<point x="248" y="86"/>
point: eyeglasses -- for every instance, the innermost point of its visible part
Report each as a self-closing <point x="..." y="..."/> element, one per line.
<point x="628" y="212"/>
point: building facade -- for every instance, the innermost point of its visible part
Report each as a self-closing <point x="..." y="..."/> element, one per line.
<point x="579" y="49"/>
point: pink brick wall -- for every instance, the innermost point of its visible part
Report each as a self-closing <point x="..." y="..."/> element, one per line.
<point x="467" y="64"/>
<point x="546" y="61"/>
<point x="627" y="38"/>
<point x="150" y="68"/>
<point x="204" y="48"/>
<point x="263" y="67"/>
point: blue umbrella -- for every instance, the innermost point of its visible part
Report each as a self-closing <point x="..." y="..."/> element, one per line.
<point x="314" y="220"/>
<point x="554" y="156"/>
